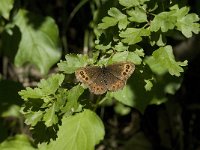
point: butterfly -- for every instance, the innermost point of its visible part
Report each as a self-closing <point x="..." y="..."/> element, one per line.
<point x="107" y="78"/>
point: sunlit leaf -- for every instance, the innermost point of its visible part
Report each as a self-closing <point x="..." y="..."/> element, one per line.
<point x="39" y="42"/>
<point x="81" y="131"/>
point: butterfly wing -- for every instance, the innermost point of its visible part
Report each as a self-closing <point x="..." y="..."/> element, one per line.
<point x="93" y="78"/>
<point x="112" y="78"/>
<point x="122" y="70"/>
<point x="112" y="82"/>
<point x="87" y="74"/>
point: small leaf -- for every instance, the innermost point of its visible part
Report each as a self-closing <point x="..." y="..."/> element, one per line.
<point x="32" y="118"/>
<point x="187" y="25"/>
<point x="39" y="43"/>
<point x="164" y="21"/>
<point x="122" y="109"/>
<point x="158" y="38"/>
<point x="132" y="3"/>
<point x="120" y="56"/>
<point x="165" y="58"/>
<point x="148" y="85"/>
<point x="73" y="62"/>
<point x="31" y="93"/>
<point x="107" y="22"/>
<point x="116" y="17"/>
<point x="50" y="85"/>
<point x="134" y="57"/>
<point x="126" y="56"/>
<point x="133" y="35"/>
<point x="72" y="99"/>
<point x="5" y="8"/>
<point x="120" y="47"/>
<point x="45" y="88"/>
<point x="137" y="15"/>
<point x="50" y="117"/>
<point x="103" y="47"/>
<point x="81" y="131"/>
<point x="155" y="66"/>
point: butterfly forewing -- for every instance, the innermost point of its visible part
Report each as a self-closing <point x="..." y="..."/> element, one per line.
<point x="87" y="74"/>
<point x="121" y="70"/>
<point x="92" y="77"/>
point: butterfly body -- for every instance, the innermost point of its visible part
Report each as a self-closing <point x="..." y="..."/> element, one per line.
<point x="108" y="78"/>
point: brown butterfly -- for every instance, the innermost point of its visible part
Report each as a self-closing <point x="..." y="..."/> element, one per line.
<point x="108" y="78"/>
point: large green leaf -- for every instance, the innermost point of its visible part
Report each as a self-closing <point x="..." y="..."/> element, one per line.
<point x="39" y="43"/>
<point x="81" y="131"/>
<point x="5" y="8"/>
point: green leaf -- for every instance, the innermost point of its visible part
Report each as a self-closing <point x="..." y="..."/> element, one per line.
<point x="133" y="35"/>
<point x="122" y="109"/>
<point x="73" y="62"/>
<point x="120" y="47"/>
<point x="125" y="96"/>
<point x="107" y="22"/>
<point x="165" y="58"/>
<point x="39" y="43"/>
<point x="164" y="21"/>
<point x="148" y="85"/>
<point x="187" y="25"/>
<point x="81" y="131"/>
<point x="120" y="56"/>
<point x="116" y="17"/>
<point x="31" y="93"/>
<point x="72" y="99"/>
<point x="103" y="47"/>
<point x="158" y="38"/>
<point x="51" y="85"/>
<point x="135" y="58"/>
<point x="32" y="118"/>
<point x="12" y="111"/>
<point x="45" y="88"/>
<point x="137" y="15"/>
<point x="50" y="118"/>
<point x="131" y="3"/>
<point x="127" y="56"/>
<point x="21" y="142"/>
<point x="5" y="8"/>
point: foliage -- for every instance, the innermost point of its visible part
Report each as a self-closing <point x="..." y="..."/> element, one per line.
<point x="133" y="30"/>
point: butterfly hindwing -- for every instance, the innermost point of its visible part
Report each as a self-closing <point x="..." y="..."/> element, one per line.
<point x="113" y="83"/>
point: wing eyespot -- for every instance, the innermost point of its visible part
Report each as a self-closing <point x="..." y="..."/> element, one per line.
<point x="127" y="66"/>
<point x="124" y="73"/>
<point x="81" y="72"/>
